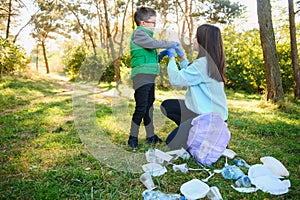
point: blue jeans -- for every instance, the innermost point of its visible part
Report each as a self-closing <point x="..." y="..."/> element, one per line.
<point x="144" y="98"/>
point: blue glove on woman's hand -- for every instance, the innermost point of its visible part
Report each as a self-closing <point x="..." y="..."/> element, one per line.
<point x="171" y="53"/>
<point x="179" y="51"/>
<point x="175" y="44"/>
<point x="162" y="54"/>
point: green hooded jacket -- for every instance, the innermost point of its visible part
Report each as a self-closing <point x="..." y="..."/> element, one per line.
<point x="143" y="60"/>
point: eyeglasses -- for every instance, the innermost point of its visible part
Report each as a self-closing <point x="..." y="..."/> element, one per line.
<point x="150" y="22"/>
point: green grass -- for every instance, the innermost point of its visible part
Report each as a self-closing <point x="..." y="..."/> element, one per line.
<point x="43" y="157"/>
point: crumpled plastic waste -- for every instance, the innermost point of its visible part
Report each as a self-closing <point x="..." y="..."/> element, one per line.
<point x="266" y="177"/>
<point x="159" y="195"/>
<point x="232" y="172"/>
<point x="243" y="181"/>
<point x="154" y="169"/>
<point x="180" y="153"/>
<point x="214" y="193"/>
<point x="241" y="163"/>
<point x="183" y="168"/>
<point x="229" y="153"/>
<point x="157" y="156"/>
<point x="244" y="189"/>
<point x="266" y="180"/>
<point x="146" y="179"/>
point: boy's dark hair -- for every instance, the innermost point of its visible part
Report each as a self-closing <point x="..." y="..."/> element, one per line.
<point x="143" y="13"/>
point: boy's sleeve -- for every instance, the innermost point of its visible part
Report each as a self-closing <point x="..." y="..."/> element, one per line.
<point x="142" y="39"/>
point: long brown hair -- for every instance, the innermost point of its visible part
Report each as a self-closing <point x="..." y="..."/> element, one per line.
<point x="211" y="46"/>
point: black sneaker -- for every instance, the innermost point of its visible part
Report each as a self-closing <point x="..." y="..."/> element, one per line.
<point x="133" y="142"/>
<point x="153" y="139"/>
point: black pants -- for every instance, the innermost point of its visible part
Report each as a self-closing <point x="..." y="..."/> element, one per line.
<point x="176" y="110"/>
<point x="144" y="98"/>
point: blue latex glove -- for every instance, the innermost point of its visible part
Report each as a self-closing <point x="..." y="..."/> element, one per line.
<point x="171" y="53"/>
<point x="162" y="54"/>
<point x="179" y="51"/>
<point x="175" y="44"/>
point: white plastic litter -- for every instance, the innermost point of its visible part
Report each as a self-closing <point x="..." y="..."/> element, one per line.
<point x="266" y="180"/>
<point x="182" y="153"/>
<point x="154" y="169"/>
<point x="272" y="185"/>
<point x="157" y="156"/>
<point x="275" y="165"/>
<point x="259" y="170"/>
<point x="229" y="153"/>
<point x="245" y="190"/>
<point x="146" y="179"/>
<point x="183" y="168"/>
<point x="194" y="189"/>
<point x="214" y="193"/>
<point x="207" y="178"/>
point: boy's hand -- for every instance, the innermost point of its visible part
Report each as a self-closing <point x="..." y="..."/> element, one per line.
<point x="179" y="51"/>
<point x="162" y="54"/>
<point x="171" y="53"/>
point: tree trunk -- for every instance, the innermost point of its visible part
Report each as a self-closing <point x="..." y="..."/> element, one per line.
<point x="123" y="30"/>
<point x="274" y="83"/>
<point x="101" y="34"/>
<point x="294" y="51"/>
<point x="111" y="46"/>
<point x="187" y="26"/>
<point x="37" y="58"/>
<point x="85" y="31"/>
<point x="45" y="57"/>
<point x="8" y="19"/>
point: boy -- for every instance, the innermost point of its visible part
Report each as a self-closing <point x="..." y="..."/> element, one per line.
<point x="145" y="68"/>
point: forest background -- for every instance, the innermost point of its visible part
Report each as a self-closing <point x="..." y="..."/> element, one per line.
<point x="43" y="153"/>
<point x="93" y="36"/>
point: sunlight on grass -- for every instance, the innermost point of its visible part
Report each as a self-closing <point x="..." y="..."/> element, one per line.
<point x="43" y="156"/>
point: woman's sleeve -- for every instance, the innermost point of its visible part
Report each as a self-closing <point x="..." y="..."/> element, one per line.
<point x="184" y="64"/>
<point x="187" y="76"/>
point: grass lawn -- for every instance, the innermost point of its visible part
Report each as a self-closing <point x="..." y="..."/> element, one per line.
<point x="55" y="145"/>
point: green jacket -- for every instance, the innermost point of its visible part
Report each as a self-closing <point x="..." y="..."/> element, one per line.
<point x="143" y="60"/>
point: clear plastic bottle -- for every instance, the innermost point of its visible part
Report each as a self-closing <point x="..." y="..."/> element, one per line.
<point x="241" y="163"/>
<point x="243" y="181"/>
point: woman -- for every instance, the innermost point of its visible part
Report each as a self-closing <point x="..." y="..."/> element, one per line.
<point x="204" y="77"/>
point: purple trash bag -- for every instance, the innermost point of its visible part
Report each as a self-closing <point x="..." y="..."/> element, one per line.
<point x="208" y="138"/>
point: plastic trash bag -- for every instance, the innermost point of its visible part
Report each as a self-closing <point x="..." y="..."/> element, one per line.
<point x="208" y="138"/>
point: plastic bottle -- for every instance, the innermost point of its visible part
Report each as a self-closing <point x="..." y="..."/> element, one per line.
<point x="214" y="193"/>
<point x="241" y="163"/>
<point x="158" y="195"/>
<point x="232" y="172"/>
<point x="243" y="181"/>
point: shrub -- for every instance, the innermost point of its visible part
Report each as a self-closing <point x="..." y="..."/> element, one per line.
<point x="73" y="60"/>
<point x="244" y="58"/>
<point x="12" y="58"/>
